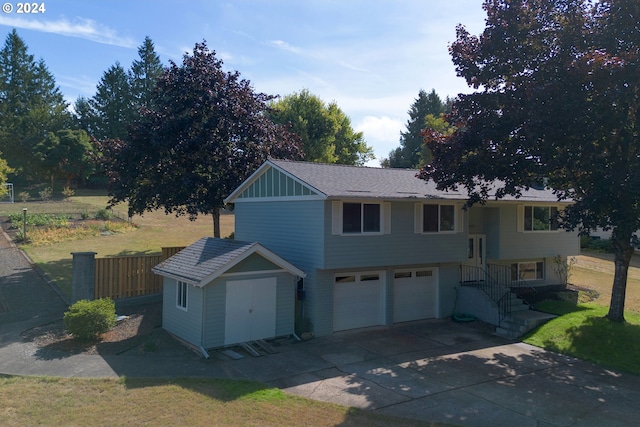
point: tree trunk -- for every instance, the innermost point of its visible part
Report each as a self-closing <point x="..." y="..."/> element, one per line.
<point x="623" y="251"/>
<point x="216" y="223"/>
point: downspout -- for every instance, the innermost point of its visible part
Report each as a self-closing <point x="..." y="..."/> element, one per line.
<point x="203" y="323"/>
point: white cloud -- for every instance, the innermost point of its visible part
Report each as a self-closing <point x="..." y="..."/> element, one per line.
<point x="281" y="44"/>
<point x="382" y="133"/>
<point x="81" y="28"/>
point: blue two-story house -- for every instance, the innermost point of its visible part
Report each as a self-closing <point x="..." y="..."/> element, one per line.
<point x="380" y="246"/>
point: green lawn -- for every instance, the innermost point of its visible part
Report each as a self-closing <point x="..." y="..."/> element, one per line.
<point x="582" y="331"/>
<point x="169" y="402"/>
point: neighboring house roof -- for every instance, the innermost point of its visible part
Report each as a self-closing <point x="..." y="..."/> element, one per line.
<point x="342" y="181"/>
<point x="208" y="258"/>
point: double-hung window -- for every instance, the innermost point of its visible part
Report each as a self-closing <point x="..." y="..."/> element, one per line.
<point x="438" y="218"/>
<point x="181" y="295"/>
<point x="540" y="218"/>
<point x="361" y="218"/>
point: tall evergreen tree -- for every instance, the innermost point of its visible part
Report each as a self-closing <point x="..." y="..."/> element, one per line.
<point x="143" y="75"/>
<point x="112" y="105"/>
<point x="120" y="95"/>
<point x="411" y="152"/>
<point x="30" y="105"/>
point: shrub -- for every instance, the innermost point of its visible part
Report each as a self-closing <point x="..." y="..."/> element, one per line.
<point x="104" y="214"/>
<point x="87" y="319"/>
<point x="67" y="193"/>
<point x="46" y="194"/>
<point x="24" y="196"/>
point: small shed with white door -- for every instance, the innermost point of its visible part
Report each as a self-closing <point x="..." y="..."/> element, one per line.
<point x="220" y="292"/>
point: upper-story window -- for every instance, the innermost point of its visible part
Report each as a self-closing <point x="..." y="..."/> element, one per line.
<point x="436" y="218"/>
<point x="540" y="218"/>
<point x="361" y="218"/>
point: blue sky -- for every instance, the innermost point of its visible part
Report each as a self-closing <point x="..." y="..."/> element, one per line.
<point x="370" y="57"/>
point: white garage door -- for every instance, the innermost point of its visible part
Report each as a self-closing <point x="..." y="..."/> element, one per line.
<point x="415" y="294"/>
<point x="358" y="300"/>
<point x="250" y="310"/>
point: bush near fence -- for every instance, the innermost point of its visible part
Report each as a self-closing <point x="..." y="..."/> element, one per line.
<point x="129" y="276"/>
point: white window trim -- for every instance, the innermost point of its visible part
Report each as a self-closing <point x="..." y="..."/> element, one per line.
<point x="535" y="262"/>
<point x="458" y="218"/>
<point x="336" y="218"/>
<point x="520" y="219"/>
<point x="182" y="305"/>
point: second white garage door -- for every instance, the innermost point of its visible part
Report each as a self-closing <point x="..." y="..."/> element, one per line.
<point x="358" y="300"/>
<point x="415" y="294"/>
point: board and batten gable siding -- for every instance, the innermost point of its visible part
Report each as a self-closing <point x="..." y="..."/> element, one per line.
<point x="515" y="244"/>
<point x="185" y="324"/>
<point x="401" y="246"/>
<point x="274" y="183"/>
<point x="215" y="316"/>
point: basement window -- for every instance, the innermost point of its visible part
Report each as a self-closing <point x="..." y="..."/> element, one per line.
<point x="527" y="271"/>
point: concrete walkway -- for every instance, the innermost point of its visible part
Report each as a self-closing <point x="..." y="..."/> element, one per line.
<point x="432" y="370"/>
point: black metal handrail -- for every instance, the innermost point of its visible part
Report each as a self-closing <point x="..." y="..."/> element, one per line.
<point x="494" y="285"/>
<point x="505" y="276"/>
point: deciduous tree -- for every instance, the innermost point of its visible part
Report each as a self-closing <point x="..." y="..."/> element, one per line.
<point x="558" y="98"/>
<point x="66" y="154"/>
<point x="206" y="132"/>
<point x="5" y="170"/>
<point x="325" y="130"/>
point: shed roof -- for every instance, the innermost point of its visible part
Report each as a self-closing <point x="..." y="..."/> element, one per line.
<point x="208" y="258"/>
<point x="343" y="181"/>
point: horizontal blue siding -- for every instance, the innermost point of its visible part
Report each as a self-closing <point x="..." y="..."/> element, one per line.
<point x="402" y="247"/>
<point x="530" y="245"/>
<point x="184" y="324"/>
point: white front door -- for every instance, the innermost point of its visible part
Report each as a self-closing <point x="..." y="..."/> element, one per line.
<point x="476" y="250"/>
<point x="476" y="254"/>
<point x="250" y="310"/>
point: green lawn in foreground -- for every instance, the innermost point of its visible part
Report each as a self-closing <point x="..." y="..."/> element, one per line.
<point x="169" y="402"/>
<point x="582" y="331"/>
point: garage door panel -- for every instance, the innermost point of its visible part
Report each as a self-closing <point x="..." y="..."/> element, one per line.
<point x="414" y="295"/>
<point x="358" y="303"/>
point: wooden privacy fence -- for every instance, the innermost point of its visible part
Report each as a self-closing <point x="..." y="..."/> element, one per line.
<point x="129" y="276"/>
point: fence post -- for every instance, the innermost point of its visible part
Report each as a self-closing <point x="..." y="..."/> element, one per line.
<point x="83" y="275"/>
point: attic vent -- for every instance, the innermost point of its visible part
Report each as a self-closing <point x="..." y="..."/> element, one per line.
<point x="407" y="192"/>
<point x="359" y="191"/>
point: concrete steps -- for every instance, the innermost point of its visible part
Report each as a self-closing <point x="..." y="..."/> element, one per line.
<point x="520" y="322"/>
<point x="475" y="302"/>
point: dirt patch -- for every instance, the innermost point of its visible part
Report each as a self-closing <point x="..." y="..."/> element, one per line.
<point x="140" y="332"/>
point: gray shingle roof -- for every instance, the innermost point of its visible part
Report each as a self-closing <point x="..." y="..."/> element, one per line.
<point x="341" y="181"/>
<point x="207" y="258"/>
